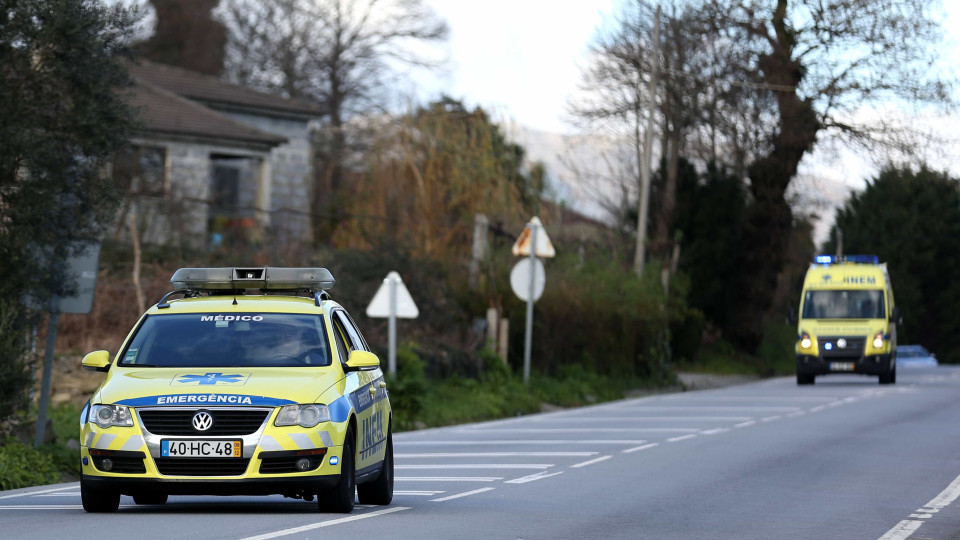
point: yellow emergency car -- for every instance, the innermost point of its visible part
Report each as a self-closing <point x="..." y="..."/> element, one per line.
<point x="242" y="381"/>
<point x="848" y="319"/>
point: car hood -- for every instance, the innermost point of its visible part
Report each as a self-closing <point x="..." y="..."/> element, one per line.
<point x="271" y="387"/>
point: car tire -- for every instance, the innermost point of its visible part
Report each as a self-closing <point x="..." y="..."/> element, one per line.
<point x="889" y="378"/>
<point x="98" y="500"/>
<point x="150" y="498"/>
<point x="340" y="499"/>
<point x="380" y="491"/>
<point x="805" y="379"/>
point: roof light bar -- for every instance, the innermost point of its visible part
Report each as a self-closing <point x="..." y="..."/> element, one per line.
<point x="265" y="278"/>
<point x="833" y="259"/>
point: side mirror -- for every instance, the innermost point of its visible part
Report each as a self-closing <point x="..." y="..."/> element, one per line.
<point x="97" y="361"/>
<point x="895" y="315"/>
<point x="362" y="361"/>
<point x="791" y="315"/>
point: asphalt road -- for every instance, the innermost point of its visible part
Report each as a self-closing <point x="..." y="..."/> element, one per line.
<point x="845" y="458"/>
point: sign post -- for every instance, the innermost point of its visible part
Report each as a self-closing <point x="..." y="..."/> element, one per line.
<point x="532" y="243"/>
<point x="392" y="300"/>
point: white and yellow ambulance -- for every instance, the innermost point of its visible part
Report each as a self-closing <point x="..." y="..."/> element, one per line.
<point x="247" y="381"/>
<point x="847" y="319"/>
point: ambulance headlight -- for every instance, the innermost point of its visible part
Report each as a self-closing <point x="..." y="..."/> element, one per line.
<point x="878" y="341"/>
<point x="111" y="415"/>
<point x="805" y="341"/>
<point x="302" y="415"/>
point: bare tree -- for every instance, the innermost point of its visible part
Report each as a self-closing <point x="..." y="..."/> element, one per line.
<point x="340" y="54"/>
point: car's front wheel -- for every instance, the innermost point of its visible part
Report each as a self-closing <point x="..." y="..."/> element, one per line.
<point x="98" y="500"/>
<point x="380" y="491"/>
<point x="341" y="497"/>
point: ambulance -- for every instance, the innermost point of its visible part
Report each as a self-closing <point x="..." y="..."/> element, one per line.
<point x="847" y="319"/>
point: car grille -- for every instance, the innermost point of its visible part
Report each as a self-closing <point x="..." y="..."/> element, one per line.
<point x="178" y="422"/>
<point x="830" y="347"/>
<point x="201" y="466"/>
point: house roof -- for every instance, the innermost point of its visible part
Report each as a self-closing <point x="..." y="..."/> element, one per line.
<point x="165" y="113"/>
<point x="220" y="94"/>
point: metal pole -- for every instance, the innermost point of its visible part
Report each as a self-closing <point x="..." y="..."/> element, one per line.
<point x="47" y="371"/>
<point x="392" y="326"/>
<point x="528" y="339"/>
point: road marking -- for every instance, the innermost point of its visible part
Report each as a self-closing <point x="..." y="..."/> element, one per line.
<point x="639" y="448"/>
<point x="448" y="478"/>
<point x="686" y="397"/>
<point x="418" y="493"/>
<point x="582" y="430"/>
<point x="532" y="477"/>
<point x="42" y="507"/>
<point x="328" y="523"/>
<point x="771" y="418"/>
<point x="478" y="466"/>
<point x="714" y="431"/>
<point x="745" y="424"/>
<point x="464" y="494"/>
<point x="497" y="454"/>
<point x="591" y="462"/>
<point x="682" y="438"/>
<point x="818" y="408"/>
<point x="514" y="442"/>
<point x="796" y="414"/>
<point x="718" y="408"/>
<point x="34" y="493"/>
<point x="905" y="528"/>
<point x="650" y="419"/>
<point x="60" y="494"/>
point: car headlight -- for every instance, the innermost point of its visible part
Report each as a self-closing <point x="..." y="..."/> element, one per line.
<point x="878" y="340"/>
<point x="302" y="415"/>
<point x="111" y="415"/>
<point x="805" y="341"/>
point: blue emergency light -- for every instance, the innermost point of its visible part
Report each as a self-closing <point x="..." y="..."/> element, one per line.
<point x="833" y="259"/>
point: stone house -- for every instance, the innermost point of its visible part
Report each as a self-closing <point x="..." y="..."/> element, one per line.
<point x="214" y="162"/>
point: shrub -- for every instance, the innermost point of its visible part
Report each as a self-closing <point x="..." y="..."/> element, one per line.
<point x="24" y="466"/>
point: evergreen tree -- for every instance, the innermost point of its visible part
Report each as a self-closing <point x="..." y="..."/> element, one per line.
<point x="911" y="220"/>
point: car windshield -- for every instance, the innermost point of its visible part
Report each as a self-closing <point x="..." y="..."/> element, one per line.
<point x="911" y="351"/>
<point x="843" y="304"/>
<point x="215" y="339"/>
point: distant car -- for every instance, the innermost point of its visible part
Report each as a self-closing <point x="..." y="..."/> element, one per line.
<point x="915" y="355"/>
<point x="241" y="387"/>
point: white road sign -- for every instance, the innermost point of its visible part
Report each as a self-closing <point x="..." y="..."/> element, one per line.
<point x="521" y="247"/>
<point x="380" y="305"/>
<point x="520" y="279"/>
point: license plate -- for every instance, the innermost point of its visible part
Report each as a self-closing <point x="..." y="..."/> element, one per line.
<point x="201" y="448"/>
<point x="841" y="366"/>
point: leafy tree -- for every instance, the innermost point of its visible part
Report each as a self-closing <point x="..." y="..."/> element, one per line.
<point x="61" y="117"/>
<point x="911" y="220"/>
<point x="341" y="54"/>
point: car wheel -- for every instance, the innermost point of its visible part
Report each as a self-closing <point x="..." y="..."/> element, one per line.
<point x="150" y="498"/>
<point x="380" y="491"/>
<point x="888" y="378"/>
<point x="98" y="500"/>
<point x="805" y="379"/>
<point x="340" y="498"/>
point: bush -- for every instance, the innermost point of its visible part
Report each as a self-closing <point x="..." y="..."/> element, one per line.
<point x="23" y="466"/>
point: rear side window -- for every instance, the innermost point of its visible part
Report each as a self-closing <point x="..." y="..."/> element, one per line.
<point x="218" y="340"/>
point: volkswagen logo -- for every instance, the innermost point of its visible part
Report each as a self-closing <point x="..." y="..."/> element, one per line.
<point x="842" y="343"/>
<point x="202" y="421"/>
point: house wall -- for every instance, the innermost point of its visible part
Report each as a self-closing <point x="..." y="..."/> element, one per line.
<point x="292" y="168"/>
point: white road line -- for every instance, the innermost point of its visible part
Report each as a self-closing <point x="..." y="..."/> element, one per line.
<point x="496" y="454"/>
<point x="328" y="523"/>
<point x="639" y="448"/>
<point x="532" y="477"/>
<point x="590" y="462"/>
<point x="818" y="408"/>
<point x="754" y="398"/>
<point x="902" y="530"/>
<point x="42" y="507"/>
<point x="418" y="493"/>
<point x="552" y="442"/>
<point x="682" y="438"/>
<point x="60" y="494"/>
<point x="771" y="418"/>
<point x="650" y="419"/>
<point x="714" y="431"/>
<point x="448" y="478"/>
<point x="33" y="493"/>
<point x="478" y="466"/>
<point x="745" y="424"/>
<point x="717" y="408"/>
<point x="581" y="430"/>
<point x="905" y="528"/>
<point x="796" y="414"/>
<point x="464" y="494"/>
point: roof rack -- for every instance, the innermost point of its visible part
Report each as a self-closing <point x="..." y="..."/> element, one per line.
<point x="235" y="280"/>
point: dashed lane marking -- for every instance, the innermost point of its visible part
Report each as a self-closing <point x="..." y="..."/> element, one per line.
<point x="639" y="448"/>
<point x="464" y="494"/>
<point x="328" y="523"/>
<point x="590" y="462"/>
<point x="532" y="478"/>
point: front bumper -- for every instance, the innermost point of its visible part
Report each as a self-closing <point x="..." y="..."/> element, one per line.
<point x="247" y="486"/>
<point x="878" y="364"/>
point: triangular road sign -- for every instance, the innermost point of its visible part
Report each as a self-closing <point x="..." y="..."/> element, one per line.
<point x="380" y="305"/>
<point x="544" y="246"/>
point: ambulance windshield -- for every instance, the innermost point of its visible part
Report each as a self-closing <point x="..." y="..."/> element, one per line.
<point x="843" y="304"/>
<point x="234" y="340"/>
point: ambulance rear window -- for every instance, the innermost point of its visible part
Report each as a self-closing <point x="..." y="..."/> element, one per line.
<point x="843" y="304"/>
<point x="234" y="340"/>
